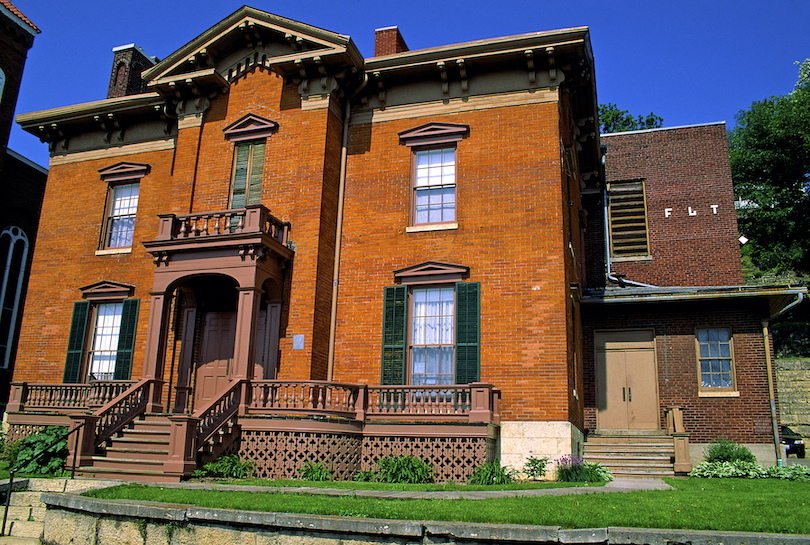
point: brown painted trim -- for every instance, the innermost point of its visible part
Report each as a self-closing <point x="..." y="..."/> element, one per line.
<point x="124" y="170"/>
<point x="107" y="289"/>
<point x="250" y="127"/>
<point x="434" y="133"/>
<point x="431" y="272"/>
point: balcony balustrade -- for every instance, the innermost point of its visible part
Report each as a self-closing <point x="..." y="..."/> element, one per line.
<point x="253" y="219"/>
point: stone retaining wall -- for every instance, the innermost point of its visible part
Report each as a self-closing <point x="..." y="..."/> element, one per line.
<point x="793" y="385"/>
<point x="77" y="520"/>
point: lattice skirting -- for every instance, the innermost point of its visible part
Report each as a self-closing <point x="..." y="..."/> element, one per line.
<point x="280" y="454"/>
<point x="453" y="458"/>
<point x="17" y="432"/>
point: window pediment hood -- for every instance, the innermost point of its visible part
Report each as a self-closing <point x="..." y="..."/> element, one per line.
<point x="434" y="133"/>
<point x="253" y="36"/>
<point x="431" y="272"/>
<point x="248" y="127"/>
<point x="107" y="289"/>
<point x="124" y="170"/>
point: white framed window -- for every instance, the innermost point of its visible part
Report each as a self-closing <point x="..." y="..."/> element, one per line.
<point x="432" y="340"/>
<point x="122" y="208"/>
<point x="104" y="344"/>
<point x="434" y="186"/>
<point x="715" y="359"/>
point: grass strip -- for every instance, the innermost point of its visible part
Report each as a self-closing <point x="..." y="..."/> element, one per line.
<point x="432" y="487"/>
<point x="762" y="505"/>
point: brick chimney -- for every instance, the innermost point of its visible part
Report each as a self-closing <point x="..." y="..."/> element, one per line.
<point x="388" y="41"/>
<point x="128" y="63"/>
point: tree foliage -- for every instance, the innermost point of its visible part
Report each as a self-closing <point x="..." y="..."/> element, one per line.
<point x="612" y="119"/>
<point x="770" y="164"/>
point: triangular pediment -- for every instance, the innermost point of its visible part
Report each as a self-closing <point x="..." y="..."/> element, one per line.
<point x="248" y="127"/>
<point x="431" y="272"/>
<point x="125" y="170"/>
<point x="251" y="36"/>
<point x="107" y="289"/>
<point x="434" y="133"/>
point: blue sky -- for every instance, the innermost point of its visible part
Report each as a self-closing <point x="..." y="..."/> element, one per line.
<point x="688" y="61"/>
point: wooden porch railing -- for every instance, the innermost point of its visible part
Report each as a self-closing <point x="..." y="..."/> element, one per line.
<point x="61" y="397"/>
<point x="251" y="219"/>
<point x="303" y="397"/>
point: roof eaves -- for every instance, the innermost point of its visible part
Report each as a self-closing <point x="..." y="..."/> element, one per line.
<point x="74" y="111"/>
<point x="12" y="12"/>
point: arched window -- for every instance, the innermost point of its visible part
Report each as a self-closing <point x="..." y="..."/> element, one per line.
<point x="14" y="256"/>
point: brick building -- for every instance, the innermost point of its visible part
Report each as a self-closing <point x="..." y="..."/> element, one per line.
<point x="289" y="251"/>
<point x="22" y="184"/>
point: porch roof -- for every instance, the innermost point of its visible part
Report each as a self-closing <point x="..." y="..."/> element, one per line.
<point x="778" y="296"/>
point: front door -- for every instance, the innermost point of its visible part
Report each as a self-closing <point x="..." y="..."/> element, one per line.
<point x="216" y="356"/>
<point x="626" y="381"/>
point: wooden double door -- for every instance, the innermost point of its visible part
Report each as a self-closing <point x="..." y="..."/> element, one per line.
<point x="215" y="365"/>
<point x="626" y="380"/>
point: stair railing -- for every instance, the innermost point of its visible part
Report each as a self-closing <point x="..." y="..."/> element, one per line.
<point x="189" y="433"/>
<point x="19" y="466"/>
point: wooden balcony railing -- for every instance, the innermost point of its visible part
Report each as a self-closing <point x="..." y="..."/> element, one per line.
<point x="251" y="219"/>
<point x="303" y="397"/>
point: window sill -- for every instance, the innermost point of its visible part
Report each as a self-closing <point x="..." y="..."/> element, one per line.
<point x="112" y="251"/>
<point x="726" y="393"/>
<point x="431" y="227"/>
<point x="631" y="258"/>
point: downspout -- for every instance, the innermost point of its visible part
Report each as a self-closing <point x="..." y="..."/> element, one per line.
<point x="339" y="227"/>
<point x="769" y="368"/>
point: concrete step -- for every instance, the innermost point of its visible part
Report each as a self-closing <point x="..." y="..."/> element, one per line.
<point x="26" y="513"/>
<point x="12" y="540"/>
<point x="628" y="438"/>
<point x="126" y="474"/>
<point x="24" y="528"/>
<point x="26" y="499"/>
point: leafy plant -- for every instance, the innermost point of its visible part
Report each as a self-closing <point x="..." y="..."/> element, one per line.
<point x="51" y="463"/>
<point x="750" y="470"/>
<point x="535" y="468"/>
<point x="315" y="471"/>
<point x="492" y="473"/>
<point x="230" y="466"/>
<point x="368" y="476"/>
<point x="724" y="450"/>
<point x="404" y="469"/>
<point x="573" y="469"/>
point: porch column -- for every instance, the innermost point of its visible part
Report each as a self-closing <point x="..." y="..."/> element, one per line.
<point x="181" y="398"/>
<point x="244" y="346"/>
<point x="156" y="335"/>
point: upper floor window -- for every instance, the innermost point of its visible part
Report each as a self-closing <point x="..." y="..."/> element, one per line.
<point x="628" y="219"/>
<point x="433" y="171"/>
<point x="248" y="165"/>
<point x="434" y="186"/>
<point x="121" y="207"/>
<point x="249" y="133"/>
<point x="715" y="359"/>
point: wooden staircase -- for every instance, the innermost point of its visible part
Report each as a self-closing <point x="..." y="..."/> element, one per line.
<point x="632" y="455"/>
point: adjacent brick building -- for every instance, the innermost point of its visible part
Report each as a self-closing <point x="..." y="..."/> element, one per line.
<point x="394" y="251"/>
<point x="22" y="184"/>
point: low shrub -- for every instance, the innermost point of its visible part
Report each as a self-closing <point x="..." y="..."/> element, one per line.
<point x="492" y="473"/>
<point x="535" y="468"/>
<point x="750" y="470"/>
<point x="369" y="476"/>
<point x="573" y="469"/>
<point x="315" y="471"/>
<point x="724" y="450"/>
<point x="404" y="469"/>
<point x="230" y="466"/>
<point x="52" y="463"/>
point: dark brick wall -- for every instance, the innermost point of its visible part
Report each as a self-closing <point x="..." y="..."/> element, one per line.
<point x="684" y="169"/>
<point x="14" y="46"/>
<point x="743" y="419"/>
<point x="125" y="78"/>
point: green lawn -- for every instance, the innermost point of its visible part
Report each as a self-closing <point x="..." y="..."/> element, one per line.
<point x="437" y="487"/>
<point x="761" y="505"/>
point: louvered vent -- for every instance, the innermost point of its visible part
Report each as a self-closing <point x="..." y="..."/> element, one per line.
<point x="628" y="219"/>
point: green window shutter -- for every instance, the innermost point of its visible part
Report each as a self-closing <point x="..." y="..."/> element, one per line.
<point x="468" y="332"/>
<point x="393" y="349"/>
<point x="256" y="168"/>
<point x="126" y="340"/>
<point x="78" y="333"/>
<point x="240" y="175"/>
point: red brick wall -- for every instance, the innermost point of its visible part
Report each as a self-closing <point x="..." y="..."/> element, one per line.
<point x="511" y="233"/>
<point x="742" y="419"/>
<point x="14" y="46"/>
<point x="388" y="41"/>
<point x="682" y="168"/>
